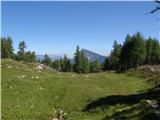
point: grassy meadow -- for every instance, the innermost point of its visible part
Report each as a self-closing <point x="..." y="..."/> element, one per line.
<point x="29" y="94"/>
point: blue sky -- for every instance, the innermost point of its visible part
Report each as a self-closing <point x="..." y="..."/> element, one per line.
<point x="57" y="27"/>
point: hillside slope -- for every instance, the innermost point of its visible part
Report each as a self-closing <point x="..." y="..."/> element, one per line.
<point x="149" y="72"/>
<point x="32" y="93"/>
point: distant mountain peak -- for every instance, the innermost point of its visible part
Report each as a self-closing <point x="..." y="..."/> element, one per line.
<point x="92" y="56"/>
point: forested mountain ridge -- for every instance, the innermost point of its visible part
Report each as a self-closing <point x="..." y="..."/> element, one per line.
<point x="134" y="52"/>
<point x="53" y="57"/>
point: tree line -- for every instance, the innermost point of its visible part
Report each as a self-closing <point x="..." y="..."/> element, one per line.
<point x="134" y="52"/>
<point x="7" y="51"/>
<point x="80" y="64"/>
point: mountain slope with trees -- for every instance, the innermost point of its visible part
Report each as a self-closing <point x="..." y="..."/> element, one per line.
<point x="134" y="52"/>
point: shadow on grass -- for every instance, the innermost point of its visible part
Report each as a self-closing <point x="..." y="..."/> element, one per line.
<point x="122" y="99"/>
<point x="138" y="112"/>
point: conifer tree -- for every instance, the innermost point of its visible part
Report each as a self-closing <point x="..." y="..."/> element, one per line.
<point x="29" y="56"/>
<point x="46" y="60"/>
<point x="85" y="63"/>
<point x="115" y="55"/>
<point x="152" y="51"/>
<point x="6" y="48"/>
<point x="138" y="49"/>
<point x="78" y="60"/>
<point x="94" y="66"/>
<point x="68" y="66"/>
<point x="21" y="52"/>
<point x="106" y="64"/>
<point x="126" y="53"/>
<point x="56" y="65"/>
<point x="61" y="62"/>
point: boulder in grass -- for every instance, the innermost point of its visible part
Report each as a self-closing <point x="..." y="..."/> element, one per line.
<point x="86" y="76"/>
<point x="40" y="67"/>
<point x="9" y="67"/>
<point x="54" y="118"/>
<point x="22" y="76"/>
<point x="73" y="75"/>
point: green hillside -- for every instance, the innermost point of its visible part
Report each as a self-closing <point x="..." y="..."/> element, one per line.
<point x="30" y="93"/>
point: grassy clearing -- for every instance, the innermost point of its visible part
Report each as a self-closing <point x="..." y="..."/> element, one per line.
<point x="31" y="98"/>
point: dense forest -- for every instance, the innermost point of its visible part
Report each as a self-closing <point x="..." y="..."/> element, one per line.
<point x="134" y="52"/>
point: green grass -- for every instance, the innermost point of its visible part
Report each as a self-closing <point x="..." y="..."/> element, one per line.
<point x="37" y="99"/>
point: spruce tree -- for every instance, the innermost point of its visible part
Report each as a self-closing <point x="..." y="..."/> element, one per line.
<point x="155" y="55"/>
<point x="126" y="53"/>
<point x="78" y="60"/>
<point x="68" y="66"/>
<point x="115" y="55"/>
<point x="61" y="62"/>
<point x="149" y="50"/>
<point x="56" y="65"/>
<point x="94" y="66"/>
<point x="46" y="60"/>
<point x="29" y="56"/>
<point x="106" y="64"/>
<point x="138" y="49"/>
<point x="21" y="52"/>
<point x="84" y="63"/>
<point x="7" y="48"/>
